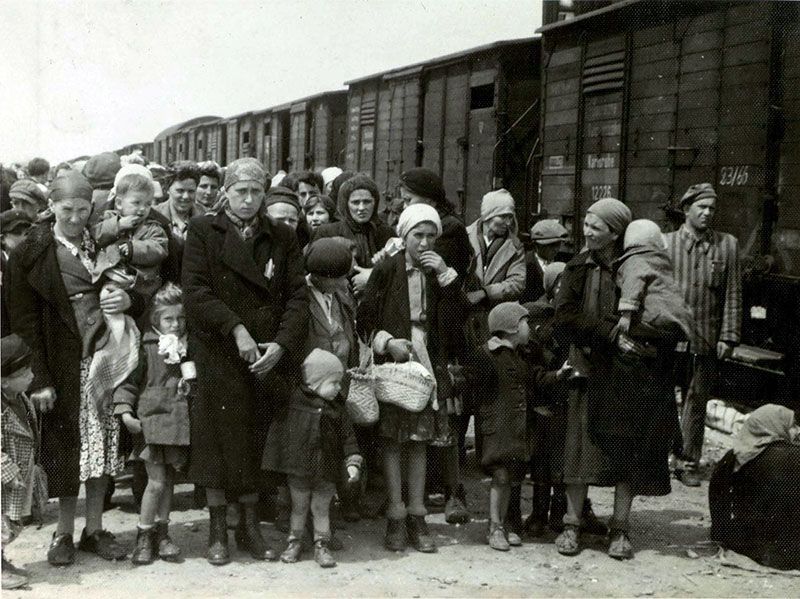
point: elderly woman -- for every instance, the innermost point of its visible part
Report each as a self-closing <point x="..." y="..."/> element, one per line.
<point x="423" y="186"/>
<point x="622" y="417"/>
<point x="246" y="309"/>
<point x="754" y="492"/>
<point x="358" y="200"/>
<point x="179" y="208"/>
<point x="59" y="312"/>
<point x="412" y="305"/>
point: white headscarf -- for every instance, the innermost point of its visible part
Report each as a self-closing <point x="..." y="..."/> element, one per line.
<point x="416" y="214"/>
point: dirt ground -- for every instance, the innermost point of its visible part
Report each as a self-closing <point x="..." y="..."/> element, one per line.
<point x="670" y="534"/>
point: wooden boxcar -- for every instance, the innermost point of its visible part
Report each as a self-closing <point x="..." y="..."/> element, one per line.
<point x="471" y="116"/>
<point x="207" y="141"/>
<point x="176" y="143"/>
<point x="643" y="98"/>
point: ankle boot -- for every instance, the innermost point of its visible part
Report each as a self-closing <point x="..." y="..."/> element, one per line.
<point x="558" y="507"/>
<point x="146" y="550"/>
<point x="537" y="521"/>
<point x="248" y="535"/>
<point x="418" y="536"/>
<point x="167" y="549"/>
<point x="218" y="554"/>
<point x="395" y="539"/>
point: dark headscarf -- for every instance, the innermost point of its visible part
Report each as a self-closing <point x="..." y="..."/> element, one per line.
<point x="71" y="184"/>
<point x="364" y="233"/>
<point x="337" y="184"/>
<point x="424" y="182"/>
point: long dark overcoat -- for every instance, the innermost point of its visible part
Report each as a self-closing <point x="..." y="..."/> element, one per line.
<point x="261" y="285"/>
<point x="41" y="313"/>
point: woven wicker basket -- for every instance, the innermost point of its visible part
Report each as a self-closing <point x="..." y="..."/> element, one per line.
<point x="361" y="405"/>
<point x="407" y="385"/>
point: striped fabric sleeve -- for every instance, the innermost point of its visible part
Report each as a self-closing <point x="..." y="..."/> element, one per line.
<point x="731" y="328"/>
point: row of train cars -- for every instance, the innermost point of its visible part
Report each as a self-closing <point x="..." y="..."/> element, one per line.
<point x="634" y="99"/>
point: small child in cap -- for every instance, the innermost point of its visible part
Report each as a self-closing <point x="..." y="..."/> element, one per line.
<point x="510" y="382"/>
<point x="19" y="432"/>
<point x="651" y="305"/>
<point x="309" y="442"/>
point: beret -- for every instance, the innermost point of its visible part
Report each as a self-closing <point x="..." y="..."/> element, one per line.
<point x="695" y="193"/>
<point x="282" y="195"/>
<point x="29" y="191"/>
<point x="328" y="257"/>
<point x="101" y="169"/>
<point x="424" y="182"/>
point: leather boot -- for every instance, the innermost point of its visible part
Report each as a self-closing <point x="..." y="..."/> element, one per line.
<point x="395" y="539"/>
<point x="558" y="507"/>
<point x="418" y="536"/>
<point x="248" y="535"/>
<point x="146" y="550"/>
<point x="167" y="549"/>
<point x="537" y="521"/>
<point x="218" y="554"/>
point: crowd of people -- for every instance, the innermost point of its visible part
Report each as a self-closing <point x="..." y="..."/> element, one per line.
<point x="217" y="324"/>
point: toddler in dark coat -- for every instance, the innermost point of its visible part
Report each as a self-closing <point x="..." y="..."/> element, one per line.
<point x="508" y="381"/>
<point x="153" y="406"/>
<point x="309" y="442"/>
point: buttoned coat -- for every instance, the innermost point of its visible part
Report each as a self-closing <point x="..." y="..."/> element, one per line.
<point x="259" y="284"/>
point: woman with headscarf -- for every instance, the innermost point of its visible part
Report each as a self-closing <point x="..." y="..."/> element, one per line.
<point x="754" y="492"/>
<point x="246" y="310"/>
<point x="358" y="200"/>
<point x="423" y="186"/>
<point x="410" y="309"/>
<point x="60" y="313"/>
<point x="621" y="414"/>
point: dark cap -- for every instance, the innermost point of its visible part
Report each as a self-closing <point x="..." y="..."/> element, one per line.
<point x="14" y="220"/>
<point x="548" y="231"/>
<point x="329" y="257"/>
<point x="15" y="354"/>
<point x="282" y="195"/>
<point x="700" y="191"/>
<point x="29" y="191"/>
<point x="101" y="169"/>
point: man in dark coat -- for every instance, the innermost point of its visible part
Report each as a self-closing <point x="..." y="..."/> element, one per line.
<point x="245" y="293"/>
<point x="547" y="237"/>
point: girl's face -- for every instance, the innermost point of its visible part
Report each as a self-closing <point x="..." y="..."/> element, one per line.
<point x="172" y="321"/>
<point x="18" y="382"/>
<point x="317" y="216"/>
<point x="71" y="214"/>
<point x="420" y="239"/>
<point x="361" y="205"/>
<point x="330" y="387"/>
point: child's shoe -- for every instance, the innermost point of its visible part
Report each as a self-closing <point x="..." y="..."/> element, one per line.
<point x="620" y="545"/>
<point x="418" y="536"/>
<point x="12" y="580"/>
<point x="322" y="554"/>
<point x="167" y="549"/>
<point x="292" y="552"/>
<point x="568" y="542"/>
<point x="455" y="512"/>
<point x="513" y="538"/>
<point x="146" y="548"/>
<point x="497" y="537"/>
<point x="103" y="543"/>
<point x="61" y="551"/>
<point x="395" y="539"/>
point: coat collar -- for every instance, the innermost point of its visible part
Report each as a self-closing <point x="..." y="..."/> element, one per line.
<point x="501" y="258"/>
<point x="235" y="253"/>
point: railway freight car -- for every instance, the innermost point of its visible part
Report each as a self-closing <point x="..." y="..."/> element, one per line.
<point x="642" y="98"/>
<point x="308" y="133"/>
<point x="173" y="143"/>
<point x="206" y="140"/>
<point x="472" y="117"/>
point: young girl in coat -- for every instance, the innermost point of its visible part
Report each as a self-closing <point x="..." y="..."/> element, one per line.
<point x="509" y="382"/>
<point x="309" y="442"/>
<point x="153" y="403"/>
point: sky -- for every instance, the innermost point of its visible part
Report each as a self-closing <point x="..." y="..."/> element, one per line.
<point x="85" y="76"/>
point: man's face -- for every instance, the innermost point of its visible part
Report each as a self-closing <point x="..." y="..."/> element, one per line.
<point x="700" y="214"/>
<point x="547" y="251"/>
<point x="245" y="198"/>
<point x="305" y="191"/>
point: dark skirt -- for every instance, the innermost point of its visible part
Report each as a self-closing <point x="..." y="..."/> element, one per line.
<point x="402" y="426"/>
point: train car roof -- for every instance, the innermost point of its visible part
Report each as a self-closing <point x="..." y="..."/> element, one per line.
<point x="190" y="123"/>
<point x="620" y="4"/>
<point x="419" y="66"/>
<point x="288" y="105"/>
